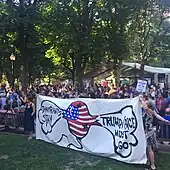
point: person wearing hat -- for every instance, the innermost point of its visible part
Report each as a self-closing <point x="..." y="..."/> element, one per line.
<point x="148" y="115"/>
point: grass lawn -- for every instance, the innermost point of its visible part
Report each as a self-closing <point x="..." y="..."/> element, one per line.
<point x="16" y="153"/>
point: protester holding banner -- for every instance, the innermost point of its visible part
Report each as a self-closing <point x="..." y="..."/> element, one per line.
<point x="148" y="114"/>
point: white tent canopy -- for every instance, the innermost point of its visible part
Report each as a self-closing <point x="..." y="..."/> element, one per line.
<point x="148" y="68"/>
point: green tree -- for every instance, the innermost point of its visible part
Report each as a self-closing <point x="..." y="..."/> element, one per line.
<point x="85" y="33"/>
<point x="20" y="23"/>
<point x="114" y="17"/>
<point x="72" y="36"/>
<point x="146" y="32"/>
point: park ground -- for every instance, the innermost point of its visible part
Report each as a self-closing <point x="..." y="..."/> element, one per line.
<point x="16" y="153"/>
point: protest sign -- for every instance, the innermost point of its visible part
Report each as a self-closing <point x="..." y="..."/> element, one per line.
<point x="105" y="127"/>
<point x="141" y="86"/>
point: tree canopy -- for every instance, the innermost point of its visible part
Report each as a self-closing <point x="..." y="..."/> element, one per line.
<point x="73" y="37"/>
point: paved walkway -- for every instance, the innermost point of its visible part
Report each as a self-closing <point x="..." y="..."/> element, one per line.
<point x="164" y="147"/>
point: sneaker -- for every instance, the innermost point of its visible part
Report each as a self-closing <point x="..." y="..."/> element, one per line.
<point x="161" y="142"/>
<point x="30" y="138"/>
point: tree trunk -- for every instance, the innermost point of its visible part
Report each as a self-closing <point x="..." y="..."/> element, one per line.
<point x="1" y="76"/>
<point x="117" y="72"/>
<point x="74" y="68"/>
<point x="9" y="78"/>
<point x="142" y="71"/>
<point x="117" y="77"/>
<point x="1" y="72"/>
<point x="30" y="79"/>
<point x="25" y="75"/>
<point x="79" y="73"/>
<point x="73" y="77"/>
<point x="22" y="47"/>
<point x="135" y="75"/>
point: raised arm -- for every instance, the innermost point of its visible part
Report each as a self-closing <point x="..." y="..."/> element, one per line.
<point x="160" y="118"/>
<point x="145" y="107"/>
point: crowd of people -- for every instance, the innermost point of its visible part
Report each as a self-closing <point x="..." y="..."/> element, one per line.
<point x="154" y="103"/>
<point x="13" y="99"/>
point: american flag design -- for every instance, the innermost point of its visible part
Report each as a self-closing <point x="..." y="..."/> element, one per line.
<point x="79" y="119"/>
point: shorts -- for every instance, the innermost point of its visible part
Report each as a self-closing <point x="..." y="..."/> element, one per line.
<point x="151" y="141"/>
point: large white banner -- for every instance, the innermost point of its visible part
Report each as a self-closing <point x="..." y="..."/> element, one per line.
<point x="105" y="127"/>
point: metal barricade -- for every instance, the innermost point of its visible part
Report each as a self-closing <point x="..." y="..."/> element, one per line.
<point x="163" y="132"/>
<point x="15" y="120"/>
